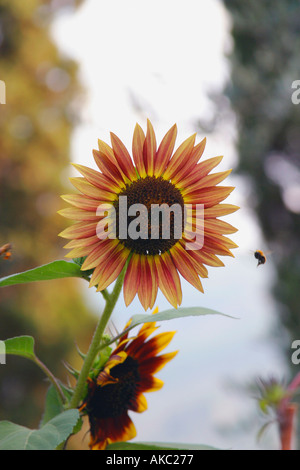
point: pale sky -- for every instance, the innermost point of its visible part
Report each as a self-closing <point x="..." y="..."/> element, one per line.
<point x="168" y="53"/>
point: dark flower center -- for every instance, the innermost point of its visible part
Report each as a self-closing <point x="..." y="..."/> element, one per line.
<point x="112" y="400"/>
<point x="158" y="225"/>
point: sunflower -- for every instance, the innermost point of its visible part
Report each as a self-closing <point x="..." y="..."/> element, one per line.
<point x="119" y="387"/>
<point x="155" y="177"/>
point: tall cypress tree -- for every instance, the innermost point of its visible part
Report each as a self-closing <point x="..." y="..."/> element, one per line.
<point x="264" y="63"/>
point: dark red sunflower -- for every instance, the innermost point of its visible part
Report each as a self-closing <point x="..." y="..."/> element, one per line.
<point x="157" y="177"/>
<point x="120" y="386"/>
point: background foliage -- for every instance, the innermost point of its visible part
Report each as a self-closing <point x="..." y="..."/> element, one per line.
<point x="264" y="64"/>
<point x="41" y="110"/>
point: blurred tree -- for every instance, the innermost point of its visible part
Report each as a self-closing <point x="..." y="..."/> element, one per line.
<point x="42" y="102"/>
<point x="264" y="63"/>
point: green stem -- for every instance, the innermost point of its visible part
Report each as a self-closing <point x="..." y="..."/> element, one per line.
<point x="50" y="376"/>
<point x="115" y="338"/>
<point x="105" y="294"/>
<point x="111" y="300"/>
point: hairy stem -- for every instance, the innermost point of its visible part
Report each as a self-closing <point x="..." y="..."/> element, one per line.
<point x="111" y="300"/>
<point x="50" y="376"/>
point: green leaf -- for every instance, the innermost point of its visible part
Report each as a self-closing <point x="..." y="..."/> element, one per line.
<point x="20" y="346"/>
<point x="80" y="262"/>
<point x="104" y="356"/>
<point x="56" y="431"/>
<point x="53" y="405"/>
<point x="170" y="314"/>
<point x="47" y="272"/>
<point x="78" y="426"/>
<point x="156" y="446"/>
<point x="100" y="361"/>
<point x="75" y="373"/>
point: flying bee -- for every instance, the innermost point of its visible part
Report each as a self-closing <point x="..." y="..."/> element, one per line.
<point x="6" y="250"/>
<point x="260" y="256"/>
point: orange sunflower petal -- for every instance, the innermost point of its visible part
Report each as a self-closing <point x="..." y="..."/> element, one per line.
<point x="154" y="345"/>
<point x="123" y="158"/>
<point x="118" y="429"/>
<point x="102" y="250"/>
<point x="150" y="384"/>
<point x="107" y="163"/>
<point x="89" y="241"/>
<point x="154" y="281"/>
<point x="135" y="346"/>
<point x="147" y="290"/>
<point x="149" y="150"/>
<point x="78" y="214"/>
<point x="219" y="210"/>
<point x="92" y="191"/>
<point x="218" y="226"/>
<point x="207" y="181"/>
<point x="113" y="269"/>
<point x="165" y="151"/>
<point x="95" y="178"/>
<point x="132" y="279"/>
<point x="79" y="230"/>
<point x="156" y="363"/>
<point x="82" y="202"/>
<point x="201" y="169"/>
<point x="180" y="157"/>
<point x="168" y="279"/>
<point x="80" y="251"/>
<point x="209" y="259"/>
<point x="140" y="404"/>
<point x="185" y="266"/>
<point x="191" y="163"/>
<point x="148" y="327"/>
<point x="137" y="150"/>
<point x="209" y="196"/>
